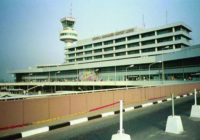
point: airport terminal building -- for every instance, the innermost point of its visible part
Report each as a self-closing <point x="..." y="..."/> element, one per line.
<point x="162" y="53"/>
<point x="138" y="66"/>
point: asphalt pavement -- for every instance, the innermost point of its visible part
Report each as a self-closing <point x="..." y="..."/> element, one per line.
<point x="142" y="124"/>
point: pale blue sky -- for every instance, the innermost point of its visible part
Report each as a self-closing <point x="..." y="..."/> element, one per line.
<point x="29" y="29"/>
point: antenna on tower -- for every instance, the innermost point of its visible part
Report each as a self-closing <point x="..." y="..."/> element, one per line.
<point x="143" y="23"/>
<point x="166" y="16"/>
<point x="71" y="9"/>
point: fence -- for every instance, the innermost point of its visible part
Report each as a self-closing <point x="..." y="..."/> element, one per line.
<point x="26" y="111"/>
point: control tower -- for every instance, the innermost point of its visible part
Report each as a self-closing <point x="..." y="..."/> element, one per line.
<point x="68" y="34"/>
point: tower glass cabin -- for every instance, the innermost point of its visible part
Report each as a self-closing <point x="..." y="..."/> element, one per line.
<point x="68" y="34"/>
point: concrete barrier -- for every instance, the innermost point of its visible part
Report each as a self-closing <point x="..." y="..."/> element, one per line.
<point x="32" y="110"/>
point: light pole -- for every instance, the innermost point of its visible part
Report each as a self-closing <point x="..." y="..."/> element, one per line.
<point x="13" y="78"/>
<point x="77" y="71"/>
<point x="77" y="75"/>
<point x="56" y="79"/>
<point x="30" y="74"/>
<point x="96" y="70"/>
<point x="163" y="67"/>
<point x="49" y="76"/>
<point x="126" y="72"/>
<point x="56" y="75"/>
<point x="150" y="68"/>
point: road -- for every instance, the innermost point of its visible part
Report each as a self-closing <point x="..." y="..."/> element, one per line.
<point x="143" y="124"/>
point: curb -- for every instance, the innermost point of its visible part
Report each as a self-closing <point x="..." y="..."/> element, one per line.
<point x="85" y="119"/>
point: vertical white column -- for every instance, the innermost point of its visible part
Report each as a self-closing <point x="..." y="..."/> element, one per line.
<point x="195" y="96"/>
<point x="120" y="134"/>
<point x="172" y="104"/>
<point x="195" y="111"/>
<point x="174" y="124"/>
<point x="121" y="118"/>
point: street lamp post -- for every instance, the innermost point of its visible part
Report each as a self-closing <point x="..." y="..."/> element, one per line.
<point x="163" y="67"/>
<point x="56" y="79"/>
<point x="96" y="70"/>
<point x="30" y="74"/>
<point x="77" y="77"/>
<point x="150" y="68"/>
<point x="56" y="75"/>
<point x="13" y="78"/>
<point x="126" y="72"/>
<point x="163" y="75"/>
<point x="49" y="76"/>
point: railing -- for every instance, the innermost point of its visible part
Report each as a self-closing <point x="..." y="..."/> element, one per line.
<point x="143" y="84"/>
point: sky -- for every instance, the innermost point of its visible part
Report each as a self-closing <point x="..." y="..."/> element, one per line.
<point x="29" y="29"/>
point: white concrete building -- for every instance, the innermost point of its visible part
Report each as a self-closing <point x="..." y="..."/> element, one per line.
<point x="156" y="54"/>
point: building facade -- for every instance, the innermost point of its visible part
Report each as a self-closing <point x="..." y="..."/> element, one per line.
<point x="161" y="53"/>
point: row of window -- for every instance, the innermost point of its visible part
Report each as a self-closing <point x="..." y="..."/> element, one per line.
<point x="136" y="44"/>
<point x="101" y="56"/>
<point x="133" y="37"/>
<point x="147" y="50"/>
<point x="73" y="34"/>
<point x="105" y="49"/>
<point x="166" y="39"/>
